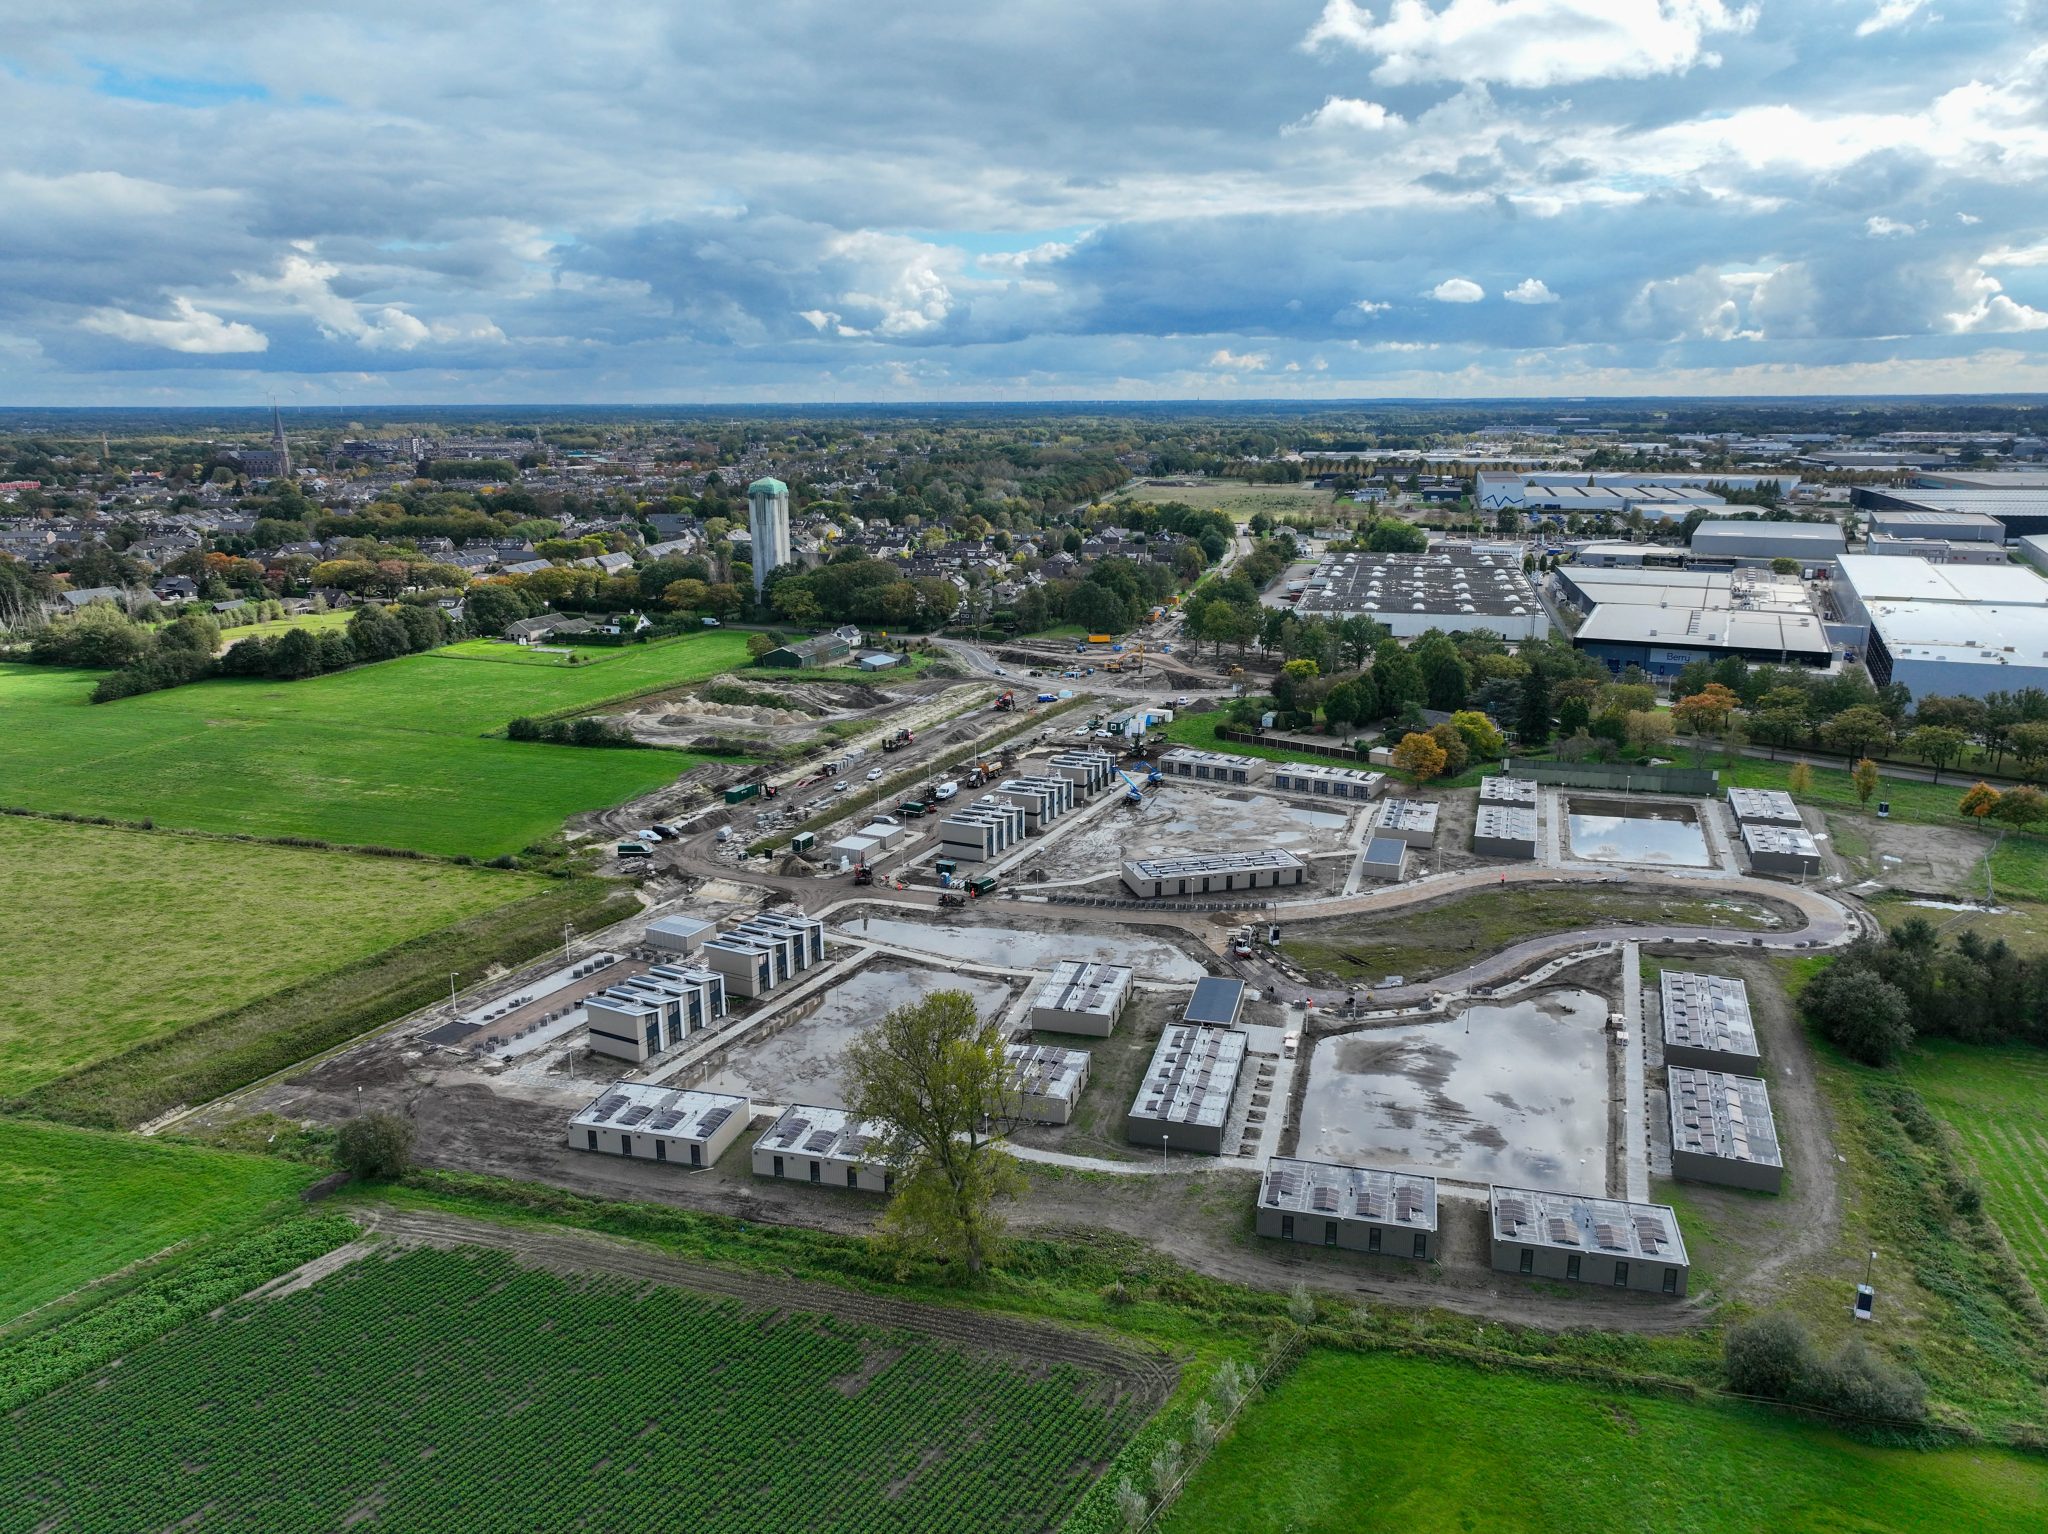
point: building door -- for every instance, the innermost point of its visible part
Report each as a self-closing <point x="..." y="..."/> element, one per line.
<point x="1421" y="1244"/>
<point x="817" y="1172"/>
<point x="661" y="1150"/>
<point x="853" y="1177"/>
<point x="778" y="1166"/>
<point x="1571" y="1266"/>
<point x="1372" y="1239"/>
<point x="1671" y="1280"/>
<point x="1621" y="1275"/>
<point x="1329" y="1233"/>
<point x="593" y="1138"/>
<point x="1286" y="1227"/>
<point x="696" y="1155"/>
<point x="1528" y="1260"/>
<point x="625" y="1145"/>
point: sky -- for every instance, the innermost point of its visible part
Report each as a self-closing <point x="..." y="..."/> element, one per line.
<point x="443" y="201"/>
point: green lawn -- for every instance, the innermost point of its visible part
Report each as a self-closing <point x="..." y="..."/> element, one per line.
<point x="1380" y="1441"/>
<point x="1996" y="1099"/>
<point x="76" y="1205"/>
<point x="396" y="754"/>
<point x="270" y="626"/>
<point x="115" y="936"/>
<point x="1199" y="731"/>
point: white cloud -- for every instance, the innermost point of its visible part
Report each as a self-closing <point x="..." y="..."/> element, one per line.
<point x="1994" y="312"/>
<point x="1889" y="14"/>
<point x="1530" y="290"/>
<point x="1457" y="290"/>
<point x="2017" y="255"/>
<point x="1239" y="362"/>
<point x="306" y="284"/>
<point x="1531" y="43"/>
<point x="1368" y="306"/>
<point x="1968" y="218"/>
<point x="1878" y="227"/>
<point x="189" y="329"/>
<point x="1341" y="113"/>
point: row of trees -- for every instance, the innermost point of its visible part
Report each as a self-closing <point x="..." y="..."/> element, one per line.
<point x="141" y="659"/>
<point x="1880" y="995"/>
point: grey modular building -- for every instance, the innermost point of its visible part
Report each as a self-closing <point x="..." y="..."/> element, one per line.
<point x="1502" y="789"/>
<point x="1215" y="1003"/>
<point x="1042" y="799"/>
<point x="1326" y="782"/>
<point x="818" y="1145"/>
<point x="1722" y="1130"/>
<point x="1211" y="873"/>
<point x="1412" y="820"/>
<point x="639" y="1017"/>
<point x="1781" y="850"/>
<point x="679" y="934"/>
<point x="1504" y="831"/>
<point x="1384" y="861"/>
<point x="1763" y="807"/>
<point x="1184" y="1101"/>
<point x="1212" y="766"/>
<point x="1046" y="1080"/>
<point x="1584" y="1238"/>
<point x="1355" y="1208"/>
<point x="1087" y="769"/>
<point x="658" y="1123"/>
<point x="1707" y="1023"/>
<point x="1081" y="997"/>
<point x="981" y="831"/>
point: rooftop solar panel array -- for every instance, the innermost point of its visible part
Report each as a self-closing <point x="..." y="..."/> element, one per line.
<point x="1585" y="1222"/>
<point x="675" y="1112"/>
<point x="1350" y="1192"/>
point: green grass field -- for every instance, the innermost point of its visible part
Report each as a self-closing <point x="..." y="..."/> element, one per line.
<point x="1379" y="1441"/>
<point x="458" y="1390"/>
<point x="396" y="754"/>
<point x="115" y="937"/>
<point x="271" y="626"/>
<point x="1996" y="1099"/>
<point x="76" y="1205"/>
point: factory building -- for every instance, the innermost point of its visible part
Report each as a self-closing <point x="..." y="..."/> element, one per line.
<point x="1212" y="766"/>
<point x="657" y="1123"/>
<point x="1501" y="789"/>
<point x="1707" y="1023"/>
<point x="639" y="1017"/>
<point x="1452" y="587"/>
<point x="682" y="935"/>
<point x="1901" y="524"/>
<point x="1789" y="850"/>
<point x="1046" y="1081"/>
<point x="1354" y="1208"/>
<point x="1535" y="490"/>
<point x="1323" y="782"/>
<point x="1409" y="820"/>
<point x="1722" y="1130"/>
<point x="1663" y="620"/>
<point x="1212" y="873"/>
<point x="1184" y="1101"/>
<point x="1081" y="997"/>
<point x="2018" y="502"/>
<point x="1586" y="1239"/>
<point x="1088" y="770"/>
<point x="1814" y="544"/>
<point x="1384" y="860"/>
<point x="1042" y="799"/>
<point x="1950" y="629"/>
<point x="1504" y="831"/>
<point x="818" y="1145"/>
<point x="1763" y="807"/>
<point x="981" y="831"/>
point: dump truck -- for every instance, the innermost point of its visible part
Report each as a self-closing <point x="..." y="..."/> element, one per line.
<point x="1006" y="702"/>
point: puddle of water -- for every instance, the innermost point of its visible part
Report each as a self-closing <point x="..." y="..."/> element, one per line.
<point x="801" y="1063"/>
<point x="1627" y="839"/>
<point x="1013" y="948"/>
<point x="1521" y="1099"/>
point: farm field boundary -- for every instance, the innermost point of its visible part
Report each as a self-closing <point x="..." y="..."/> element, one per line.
<point x="1995" y="1099"/>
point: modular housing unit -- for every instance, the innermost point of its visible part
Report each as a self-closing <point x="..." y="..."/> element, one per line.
<point x="1215" y="1003"/>
<point x="679" y="934"/>
<point x="1707" y="1023"/>
<point x="1584" y="1238"/>
<point x="981" y="831"/>
<point x="807" y="930"/>
<point x="1722" y="1130"/>
<point x="1212" y="873"/>
<point x="1505" y="831"/>
<point x="1781" y="850"/>
<point x="1046" y="1080"/>
<point x="1328" y="782"/>
<point x="748" y="964"/>
<point x="819" y="1145"/>
<point x="639" y="1017"/>
<point x="1502" y="789"/>
<point x="1355" y="1208"/>
<point x="1043" y="800"/>
<point x="657" y="1123"/>
<point x="1763" y="807"/>
<point x="797" y="946"/>
<point x="1087" y="770"/>
<point x="1411" y="820"/>
<point x="1184" y="1101"/>
<point x="856" y="848"/>
<point x="1384" y="861"/>
<point x="1081" y="997"/>
<point x="1212" y="766"/>
<point x="886" y="834"/>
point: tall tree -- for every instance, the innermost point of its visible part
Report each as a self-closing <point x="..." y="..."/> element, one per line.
<point x="1937" y="745"/>
<point x="1532" y="725"/>
<point x="931" y="1077"/>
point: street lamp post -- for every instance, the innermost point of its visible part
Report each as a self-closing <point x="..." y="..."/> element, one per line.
<point x="1162" y="1150"/>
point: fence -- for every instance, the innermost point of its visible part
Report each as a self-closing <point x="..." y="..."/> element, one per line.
<point x="1302" y="745"/>
<point x="1626" y="777"/>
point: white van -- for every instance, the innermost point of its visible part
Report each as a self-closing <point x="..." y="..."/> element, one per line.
<point x="946" y="790"/>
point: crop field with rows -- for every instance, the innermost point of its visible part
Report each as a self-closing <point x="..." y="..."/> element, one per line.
<point x="441" y="1390"/>
<point x="1996" y="1100"/>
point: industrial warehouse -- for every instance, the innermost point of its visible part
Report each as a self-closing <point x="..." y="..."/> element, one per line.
<point x="1663" y="620"/>
<point x="1452" y="587"/>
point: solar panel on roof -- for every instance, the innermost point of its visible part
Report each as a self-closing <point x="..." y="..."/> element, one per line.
<point x="634" y="1115"/>
<point x="1215" y="1001"/>
<point x="666" y="1120"/>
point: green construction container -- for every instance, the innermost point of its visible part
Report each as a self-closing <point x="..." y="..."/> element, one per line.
<point x="984" y="885"/>
<point x="911" y="809"/>
<point x="944" y="866"/>
<point x="803" y="841"/>
<point x="740" y="793"/>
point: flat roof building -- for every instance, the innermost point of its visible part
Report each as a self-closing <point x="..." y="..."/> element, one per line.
<point x="1081" y="997"/>
<point x="1452" y="587"/>
<point x="1811" y="543"/>
<point x="1042" y="799"/>
<point x="1325" y="782"/>
<point x="1707" y="1023"/>
<point x="1409" y="820"/>
<point x="1087" y="769"/>
<point x="1763" y="807"/>
<point x="1945" y="526"/>
<point x="679" y="934"/>
<point x="1354" y="1208"/>
<point x="1722" y="1130"/>
<point x="808" y="931"/>
<point x="1663" y="620"/>
<point x="1789" y="850"/>
<point x="1046" y="1080"/>
<point x="1584" y="1238"/>
<point x="825" y="1146"/>
<point x="1501" y="789"/>
<point x="1212" y="873"/>
<point x="1212" y="766"/>
<point x="1184" y="1100"/>
<point x="1384" y="860"/>
<point x="658" y="1123"/>
<point x="1504" y="831"/>
<point x="642" y="1015"/>
<point x="981" y="830"/>
<point x="1215" y="1003"/>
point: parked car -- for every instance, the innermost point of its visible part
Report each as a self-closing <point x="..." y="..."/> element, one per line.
<point x="874" y="774"/>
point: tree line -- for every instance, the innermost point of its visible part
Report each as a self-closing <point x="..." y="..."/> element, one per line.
<point x="1880" y="995"/>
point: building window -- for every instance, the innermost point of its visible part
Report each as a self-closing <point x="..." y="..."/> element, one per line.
<point x="1372" y="1239"/>
<point x="1528" y="1260"/>
<point x="1571" y="1266"/>
<point x="1621" y="1275"/>
<point x="1671" y="1280"/>
<point x="1286" y="1227"/>
<point x="593" y="1138"/>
